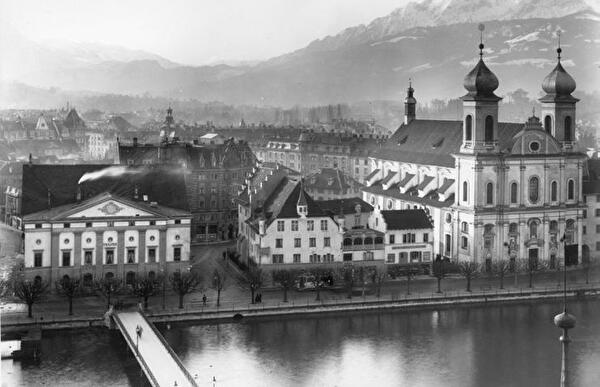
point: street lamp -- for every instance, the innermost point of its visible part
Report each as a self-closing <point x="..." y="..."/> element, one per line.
<point x="564" y="321"/>
<point x="164" y="283"/>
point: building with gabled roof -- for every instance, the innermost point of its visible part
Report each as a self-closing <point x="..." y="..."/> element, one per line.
<point x="331" y="183"/>
<point x="106" y="236"/>
<point x="494" y="190"/>
<point x="281" y="224"/>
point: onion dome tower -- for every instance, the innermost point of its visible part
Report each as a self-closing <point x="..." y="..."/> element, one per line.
<point x="410" y="104"/>
<point x="558" y="105"/>
<point x="480" y="107"/>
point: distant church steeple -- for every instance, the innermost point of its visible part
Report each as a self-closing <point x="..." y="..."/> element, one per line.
<point x="410" y="104"/>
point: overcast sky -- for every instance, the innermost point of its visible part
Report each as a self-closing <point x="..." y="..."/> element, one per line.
<point x="192" y="31"/>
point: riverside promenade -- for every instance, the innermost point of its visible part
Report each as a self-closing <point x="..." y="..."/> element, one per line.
<point x="230" y="311"/>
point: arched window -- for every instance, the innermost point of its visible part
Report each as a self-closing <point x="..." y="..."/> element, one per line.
<point x="368" y="241"/>
<point x="568" y="134"/>
<point x="489" y="193"/>
<point x="347" y="242"/>
<point x="513" y="193"/>
<point x="469" y="128"/>
<point x="358" y="241"/>
<point x="554" y="191"/>
<point x="533" y="229"/>
<point x="109" y="275"/>
<point x="88" y="279"/>
<point x="513" y="228"/>
<point x="548" y="124"/>
<point x="464" y="226"/>
<point x="130" y="278"/>
<point x="571" y="190"/>
<point x="378" y="240"/>
<point x="489" y="129"/>
<point x="465" y="191"/>
<point x="534" y="189"/>
<point x="553" y="226"/>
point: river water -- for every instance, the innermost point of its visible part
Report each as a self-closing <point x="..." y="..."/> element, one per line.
<point x="503" y="345"/>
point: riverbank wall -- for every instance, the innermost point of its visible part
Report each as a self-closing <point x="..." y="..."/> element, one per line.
<point x="291" y="310"/>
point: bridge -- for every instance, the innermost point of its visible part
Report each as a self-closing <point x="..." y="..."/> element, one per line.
<point x="156" y="358"/>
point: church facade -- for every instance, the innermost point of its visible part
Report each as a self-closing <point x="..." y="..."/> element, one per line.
<point x="494" y="190"/>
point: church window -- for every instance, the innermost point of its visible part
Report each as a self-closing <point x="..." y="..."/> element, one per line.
<point x="571" y="190"/>
<point x="548" y="124"/>
<point x="489" y="129"/>
<point x="465" y="191"/>
<point x="534" y="186"/>
<point x="533" y="226"/>
<point x="554" y="191"/>
<point x="568" y="134"/>
<point x="534" y="146"/>
<point x="489" y="193"/>
<point x="469" y="128"/>
<point x="513" y="228"/>
<point x="513" y="193"/>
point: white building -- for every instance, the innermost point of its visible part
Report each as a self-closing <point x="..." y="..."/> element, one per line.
<point x="408" y="235"/>
<point x="106" y="236"/>
<point x="493" y="189"/>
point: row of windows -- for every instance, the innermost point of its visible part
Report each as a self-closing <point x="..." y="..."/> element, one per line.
<point x="110" y="257"/>
<point x="415" y="256"/>
<point x="534" y="187"/>
<point x="312" y="242"/>
<point x="110" y="223"/>
<point x="408" y="238"/>
<point x="310" y="225"/>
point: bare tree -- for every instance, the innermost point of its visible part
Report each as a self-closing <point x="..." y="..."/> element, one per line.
<point x="531" y="266"/>
<point x="69" y="288"/>
<point x="438" y="268"/>
<point x="285" y="279"/>
<point x="145" y="287"/>
<point x="256" y="279"/>
<point x="378" y="277"/>
<point x="108" y="287"/>
<point x="29" y="292"/>
<point x="346" y="274"/>
<point x="184" y="283"/>
<point x="501" y="267"/>
<point x="469" y="270"/>
<point x="587" y="268"/>
<point x="219" y="282"/>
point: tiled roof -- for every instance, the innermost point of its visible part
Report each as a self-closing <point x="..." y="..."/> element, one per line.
<point x="406" y="219"/>
<point x="426" y="180"/>
<point x="445" y="185"/>
<point x="432" y="142"/>
<point x="60" y="212"/>
<point x="393" y="192"/>
<point x="408" y="177"/>
<point x="346" y="206"/>
<point x="165" y="185"/>
<point x="330" y="179"/>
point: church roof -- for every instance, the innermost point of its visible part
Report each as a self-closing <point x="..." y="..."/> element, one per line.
<point x="481" y="83"/>
<point x="432" y="142"/>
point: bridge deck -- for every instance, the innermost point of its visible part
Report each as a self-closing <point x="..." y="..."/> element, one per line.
<point x="158" y="361"/>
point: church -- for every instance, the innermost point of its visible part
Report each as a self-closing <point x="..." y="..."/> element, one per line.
<point x="494" y="190"/>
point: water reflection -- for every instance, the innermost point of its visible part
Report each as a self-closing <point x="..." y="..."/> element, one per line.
<point x="513" y="345"/>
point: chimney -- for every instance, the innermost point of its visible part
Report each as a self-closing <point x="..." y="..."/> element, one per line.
<point x="145" y="198"/>
<point x="136" y="195"/>
<point x="30" y="159"/>
<point x="79" y="195"/>
<point x="135" y="141"/>
<point x="49" y="199"/>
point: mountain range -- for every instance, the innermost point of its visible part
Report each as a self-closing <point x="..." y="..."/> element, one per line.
<point x="434" y="42"/>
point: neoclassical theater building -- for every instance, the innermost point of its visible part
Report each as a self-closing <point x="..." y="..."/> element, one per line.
<point x="493" y="189"/>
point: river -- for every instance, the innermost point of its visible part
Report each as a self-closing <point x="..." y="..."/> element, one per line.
<point x="502" y="345"/>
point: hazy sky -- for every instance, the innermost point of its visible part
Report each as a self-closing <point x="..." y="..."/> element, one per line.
<point x="192" y="31"/>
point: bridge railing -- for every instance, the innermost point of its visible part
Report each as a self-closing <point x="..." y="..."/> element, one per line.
<point x="171" y="352"/>
<point x="134" y="348"/>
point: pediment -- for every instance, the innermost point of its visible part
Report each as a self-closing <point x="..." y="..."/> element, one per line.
<point x="110" y="208"/>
